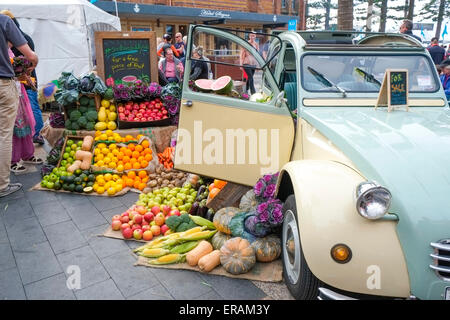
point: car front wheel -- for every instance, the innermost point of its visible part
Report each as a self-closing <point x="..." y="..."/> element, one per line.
<point x="299" y="279"/>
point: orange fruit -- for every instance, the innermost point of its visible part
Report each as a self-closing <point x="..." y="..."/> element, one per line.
<point x="145" y="144"/>
<point x="120" y="167"/>
<point x="136" y="154"/>
<point x="120" y="156"/>
<point x="130" y="182"/>
<point x="128" y="152"/>
<point x="140" y="158"/>
<point x="213" y="193"/>
<point x="128" y="137"/>
<point x="145" y="180"/>
<point x="127" y="166"/>
<point x="147" y="151"/>
<point x="142" y="186"/>
<point x="139" y="148"/>
<point x="144" y="164"/>
<point x="131" y="146"/>
<point x="136" y="165"/>
<point x="122" y="149"/>
<point x="126" y="159"/>
<point x="139" y="136"/>
<point x="219" y="183"/>
<point x="142" y="174"/>
<point x="131" y="174"/>
<point x="136" y="184"/>
<point x="133" y="161"/>
<point x="148" y="157"/>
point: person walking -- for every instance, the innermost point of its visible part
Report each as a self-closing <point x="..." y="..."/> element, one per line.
<point x="406" y="28"/>
<point x="249" y="63"/>
<point x="31" y="92"/>
<point x="9" y="97"/>
<point x="23" y="132"/>
<point x="436" y="51"/>
<point x="445" y="78"/>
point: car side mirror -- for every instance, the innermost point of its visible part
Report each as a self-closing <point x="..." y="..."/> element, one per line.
<point x="280" y="99"/>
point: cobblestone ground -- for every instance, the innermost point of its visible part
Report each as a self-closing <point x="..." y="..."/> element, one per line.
<point x="43" y="233"/>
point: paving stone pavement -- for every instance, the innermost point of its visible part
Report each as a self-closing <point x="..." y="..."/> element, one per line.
<point x="44" y="234"/>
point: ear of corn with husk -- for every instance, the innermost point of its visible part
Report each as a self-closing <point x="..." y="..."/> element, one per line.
<point x="169" y="259"/>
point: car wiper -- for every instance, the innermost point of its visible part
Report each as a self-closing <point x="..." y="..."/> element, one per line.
<point x="321" y="78"/>
<point x="368" y="77"/>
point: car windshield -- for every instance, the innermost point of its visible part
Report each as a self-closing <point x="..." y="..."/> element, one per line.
<point x="364" y="72"/>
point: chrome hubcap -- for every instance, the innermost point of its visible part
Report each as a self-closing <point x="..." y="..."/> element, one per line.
<point x="291" y="247"/>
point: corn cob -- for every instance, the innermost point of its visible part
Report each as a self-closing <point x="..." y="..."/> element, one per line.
<point x="202" y="235"/>
<point x="190" y="231"/>
<point x="169" y="259"/>
<point x="153" y="253"/>
<point x="184" y="247"/>
<point x="203" y="222"/>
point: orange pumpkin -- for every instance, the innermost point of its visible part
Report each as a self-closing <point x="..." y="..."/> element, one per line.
<point x="237" y="256"/>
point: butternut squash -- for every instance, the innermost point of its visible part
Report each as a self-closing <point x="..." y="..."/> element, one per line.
<point x="85" y="157"/>
<point x="202" y="249"/>
<point x="87" y="143"/>
<point x="209" y="261"/>
<point x="75" y="165"/>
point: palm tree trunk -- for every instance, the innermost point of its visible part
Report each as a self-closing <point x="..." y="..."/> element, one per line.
<point x="383" y="16"/>
<point x="345" y="14"/>
<point x="440" y="18"/>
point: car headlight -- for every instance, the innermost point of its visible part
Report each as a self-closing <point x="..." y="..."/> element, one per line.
<point x="372" y="200"/>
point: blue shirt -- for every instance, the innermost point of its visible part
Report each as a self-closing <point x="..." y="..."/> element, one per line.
<point x="445" y="80"/>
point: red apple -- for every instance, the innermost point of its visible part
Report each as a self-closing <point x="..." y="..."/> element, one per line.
<point x="160" y="219"/>
<point x="128" y="107"/>
<point x="166" y="209"/>
<point x="125" y="219"/>
<point x="165" y="117"/>
<point x="116" y="217"/>
<point x="149" y="217"/>
<point x="137" y="219"/>
<point x="145" y="228"/>
<point x="164" y="112"/>
<point x="127" y="233"/>
<point x="137" y="234"/>
<point x="124" y="226"/>
<point x="135" y="106"/>
<point x="156" y="230"/>
<point x="141" y="210"/>
<point x="164" y="228"/>
<point x="156" y="210"/>
<point x="121" y="109"/>
<point x="147" y="235"/>
<point x="174" y="212"/>
<point x="116" y="224"/>
<point x="144" y="223"/>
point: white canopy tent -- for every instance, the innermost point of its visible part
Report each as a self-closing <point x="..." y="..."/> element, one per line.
<point x="63" y="33"/>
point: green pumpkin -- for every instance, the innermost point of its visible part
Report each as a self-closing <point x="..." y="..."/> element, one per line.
<point x="248" y="201"/>
<point x="219" y="239"/>
<point x="267" y="249"/>
<point x="223" y="217"/>
<point x="237" y="256"/>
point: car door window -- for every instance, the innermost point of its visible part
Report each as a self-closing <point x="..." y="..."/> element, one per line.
<point x="214" y="56"/>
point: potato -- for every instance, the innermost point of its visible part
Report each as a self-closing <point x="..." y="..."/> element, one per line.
<point x="152" y="176"/>
<point x="158" y="170"/>
<point x="160" y="181"/>
<point x="164" y="185"/>
<point x="171" y="186"/>
<point x="166" y="182"/>
<point x="152" y="183"/>
<point x="180" y="175"/>
<point x="147" y="190"/>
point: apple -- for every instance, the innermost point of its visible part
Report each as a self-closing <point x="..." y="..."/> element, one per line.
<point x="174" y="212"/>
<point x="128" y="107"/>
<point x="137" y="234"/>
<point x="144" y="223"/>
<point x="124" y="226"/>
<point x="164" y="112"/>
<point x="116" y="217"/>
<point x="159" y="219"/>
<point x="125" y="219"/>
<point x="165" y="117"/>
<point x="166" y="209"/>
<point x="126" y="112"/>
<point x="132" y="214"/>
<point x="127" y="233"/>
<point x="116" y="224"/>
<point x="156" y="230"/>
<point x="126" y="213"/>
<point x="155" y="210"/>
<point x="147" y="235"/>
<point x="141" y="210"/>
<point x="149" y="217"/>
<point x="145" y="228"/>
<point x="153" y="223"/>
<point x="137" y="219"/>
<point x="164" y="228"/>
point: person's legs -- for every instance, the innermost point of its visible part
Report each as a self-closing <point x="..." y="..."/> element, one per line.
<point x="32" y="96"/>
<point x="9" y="101"/>
<point x="250" y="84"/>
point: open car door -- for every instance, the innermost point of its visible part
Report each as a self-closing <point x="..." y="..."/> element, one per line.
<point x="221" y="133"/>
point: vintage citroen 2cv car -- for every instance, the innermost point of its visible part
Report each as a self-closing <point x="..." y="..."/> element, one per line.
<point x="366" y="192"/>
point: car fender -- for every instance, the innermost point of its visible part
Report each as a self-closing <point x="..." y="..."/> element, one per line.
<point x="326" y="211"/>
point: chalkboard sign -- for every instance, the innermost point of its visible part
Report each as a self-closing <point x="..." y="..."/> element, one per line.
<point x="126" y="56"/>
<point x="394" y="89"/>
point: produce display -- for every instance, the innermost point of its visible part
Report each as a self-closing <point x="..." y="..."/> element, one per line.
<point x="223" y="217"/>
<point x="219" y="239"/>
<point x="267" y="249"/>
<point x="106" y="116"/>
<point x="237" y="256"/>
<point x="80" y="181"/>
<point x="163" y="177"/>
<point x="82" y="116"/>
<point x="152" y="110"/>
<point x="109" y="183"/>
<point x="202" y="249"/>
<point x="68" y="154"/>
<point x="215" y="187"/>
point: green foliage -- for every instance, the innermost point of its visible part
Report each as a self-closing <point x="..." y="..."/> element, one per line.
<point x="180" y="223"/>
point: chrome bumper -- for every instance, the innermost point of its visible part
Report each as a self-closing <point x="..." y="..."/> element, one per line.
<point x="327" y="294"/>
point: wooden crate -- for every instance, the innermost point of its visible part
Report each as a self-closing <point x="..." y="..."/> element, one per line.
<point x="229" y="196"/>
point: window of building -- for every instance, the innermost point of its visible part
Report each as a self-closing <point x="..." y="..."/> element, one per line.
<point x="170" y="28"/>
<point x="183" y="29"/>
<point x="141" y="28"/>
<point x="283" y="4"/>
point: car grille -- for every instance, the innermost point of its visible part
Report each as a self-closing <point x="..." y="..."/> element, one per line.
<point x="441" y="257"/>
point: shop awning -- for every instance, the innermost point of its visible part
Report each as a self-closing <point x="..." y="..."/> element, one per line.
<point x="198" y="15"/>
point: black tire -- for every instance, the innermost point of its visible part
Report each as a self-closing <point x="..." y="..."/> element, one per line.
<point x="299" y="279"/>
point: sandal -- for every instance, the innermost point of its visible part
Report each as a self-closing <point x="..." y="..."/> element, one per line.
<point x="17" y="168"/>
<point x="33" y="160"/>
